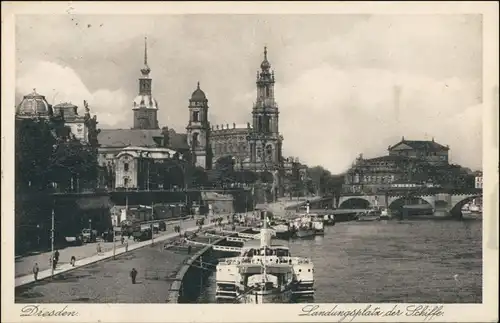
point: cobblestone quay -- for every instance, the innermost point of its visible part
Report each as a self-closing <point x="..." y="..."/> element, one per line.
<point x="109" y="281"/>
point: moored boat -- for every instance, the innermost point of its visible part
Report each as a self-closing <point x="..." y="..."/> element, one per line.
<point x="329" y="219"/>
<point x="317" y="223"/>
<point x="384" y="214"/>
<point x="282" y="231"/>
<point x="370" y="215"/>
<point x="304" y="231"/>
<point x="264" y="272"/>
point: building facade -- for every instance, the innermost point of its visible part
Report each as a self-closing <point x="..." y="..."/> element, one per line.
<point x="76" y="123"/>
<point x="478" y="180"/>
<point x="80" y="127"/>
<point x="142" y="168"/>
<point x="232" y="141"/>
<point x="409" y="164"/>
<point x="424" y="150"/>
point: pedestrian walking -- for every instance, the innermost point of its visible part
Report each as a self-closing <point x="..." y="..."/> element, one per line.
<point x="35" y="271"/>
<point x="73" y="260"/>
<point x="133" y="275"/>
<point x="122" y="239"/>
<point x="126" y="246"/>
<point x="54" y="263"/>
<point x="56" y="255"/>
<point x="98" y="248"/>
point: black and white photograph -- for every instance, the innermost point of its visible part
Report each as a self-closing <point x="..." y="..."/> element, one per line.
<point x="250" y="158"/>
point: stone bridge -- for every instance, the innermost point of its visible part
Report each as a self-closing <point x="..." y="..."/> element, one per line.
<point x="451" y="203"/>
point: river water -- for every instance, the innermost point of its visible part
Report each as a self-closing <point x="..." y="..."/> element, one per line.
<point x="410" y="261"/>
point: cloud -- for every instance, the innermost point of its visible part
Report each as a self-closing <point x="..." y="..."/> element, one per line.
<point x="331" y="115"/>
<point x="62" y="84"/>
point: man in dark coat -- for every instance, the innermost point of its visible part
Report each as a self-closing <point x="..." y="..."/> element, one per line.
<point x="35" y="271"/>
<point x="133" y="275"/>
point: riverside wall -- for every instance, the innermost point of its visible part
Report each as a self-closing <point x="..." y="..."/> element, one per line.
<point x="190" y="279"/>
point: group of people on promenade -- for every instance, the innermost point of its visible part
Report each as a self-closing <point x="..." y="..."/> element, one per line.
<point x="133" y="274"/>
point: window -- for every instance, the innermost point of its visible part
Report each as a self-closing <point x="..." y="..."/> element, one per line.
<point x="269" y="152"/>
<point x="125" y="167"/>
<point x="196" y="116"/>
<point x="125" y="182"/>
<point x="268" y="92"/>
<point x="195" y="140"/>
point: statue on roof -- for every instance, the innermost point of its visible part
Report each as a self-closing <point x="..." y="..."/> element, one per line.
<point x="91" y="123"/>
<point x="166" y="136"/>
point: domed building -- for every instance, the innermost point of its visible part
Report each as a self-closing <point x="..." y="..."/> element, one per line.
<point x="145" y="107"/>
<point x="34" y="105"/>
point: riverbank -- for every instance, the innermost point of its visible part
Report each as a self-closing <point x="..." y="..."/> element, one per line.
<point x="121" y="249"/>
<point x="190" y="279"/>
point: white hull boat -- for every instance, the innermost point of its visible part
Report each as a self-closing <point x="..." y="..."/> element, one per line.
<point x="264" y="272"/>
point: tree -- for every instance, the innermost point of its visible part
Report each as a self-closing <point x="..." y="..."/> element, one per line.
<point x="199" y="177"/>
<point x="47" y="153"/>
<point x="223" y="171"/>
<point x="35" y="143"/>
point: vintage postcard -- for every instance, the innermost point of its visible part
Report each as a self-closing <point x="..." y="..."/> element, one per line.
<point x="250" y="162"/>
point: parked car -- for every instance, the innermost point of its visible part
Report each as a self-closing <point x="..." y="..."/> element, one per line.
<point x="142" y="235"/>
<point x="89" y="235"/>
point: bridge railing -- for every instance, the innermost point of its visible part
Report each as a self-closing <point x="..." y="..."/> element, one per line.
<point x="418" y="191"/>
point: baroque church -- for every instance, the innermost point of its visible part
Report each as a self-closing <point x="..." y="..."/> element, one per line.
<point x="255" y="146"/>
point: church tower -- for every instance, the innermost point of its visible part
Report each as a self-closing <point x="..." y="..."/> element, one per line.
<point x="145" y="106"/>
<point x="198" y="128"/>
<point x="265" y="140"/>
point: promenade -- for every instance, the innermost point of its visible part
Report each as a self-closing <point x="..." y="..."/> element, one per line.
<point x="87" y="254"/>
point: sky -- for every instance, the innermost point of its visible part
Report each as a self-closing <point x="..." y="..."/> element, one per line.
<point x="335" y="75"/>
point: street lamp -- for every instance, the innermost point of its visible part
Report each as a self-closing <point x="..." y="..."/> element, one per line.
<point x="52" y="243"/>
<point x="152" y="226"/>
<point x="114" y="242"/>
<point x="38" y="235"/>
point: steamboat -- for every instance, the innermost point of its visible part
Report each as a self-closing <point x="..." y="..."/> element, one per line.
<point x="264" y="272"/>
<point x="308" y="224"/>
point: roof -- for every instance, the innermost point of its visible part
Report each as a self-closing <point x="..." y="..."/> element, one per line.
<point x="34" y="104"/>
<point x="387" y="158"/>
<point x="421" y="145"/>
<point x="198" y="94"/>
<point x="140" y="138"/>
<point x="128" y="137"/>
<point x="69" y="110"/>
<point x="178" y="141"/>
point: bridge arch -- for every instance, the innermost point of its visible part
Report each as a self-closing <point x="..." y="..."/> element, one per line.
<point x="458" y="202"/>
<point x="357" y="202"/>
<point x="397" y="203"/>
